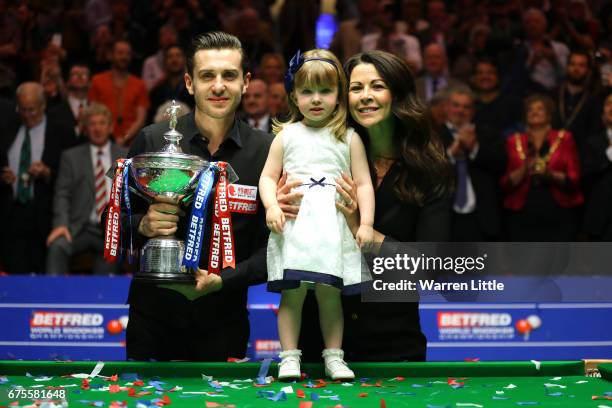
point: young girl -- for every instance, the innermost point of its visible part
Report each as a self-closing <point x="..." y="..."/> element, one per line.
<point x="317" y="248"/>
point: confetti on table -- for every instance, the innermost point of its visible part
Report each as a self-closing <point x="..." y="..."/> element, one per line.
<point x="305" y="404"/>
<point x="287" y="390"/>
<point x="537" y="364"/>
<point x="397" y="379"/>
<point x="383" y="404"/>
<point x="510" y="386"/>
<point x="468" y="404"/>
<point x="598" y="397"/>
<point x="604" y="406"/>
<point x="362" y="395"/>
<point x="3" y="379"/>
<point x="581" y="382"/>
<point x="556" y="378"/>
<point x="497" y="397"/>
<point x="528" y="403"/>
<point x="438" y="406"/>
<point x="263" y="370"/>
<point x="554" y="385"/>
<point x="455" y="384"/>
<point x="471" y="360"/>
<point x="97" y="369"/>
<point x="300" y="394"/>
<point x="210" y="404"/>
<point x="237" y="360"/>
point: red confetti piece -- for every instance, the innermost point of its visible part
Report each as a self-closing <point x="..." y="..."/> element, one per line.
<point x="131" y="392"/>
<point x="305" y="404"/>
<point x="471" y="360"/>
<point x="399" y="378"/>
<point x="300" y="394"/>
<point x="114" y="388"/>
<point x="114" y="378"/>
<point x="363" y="395"/>
<point x="166" y="400"/>
<point x="139" y="383"/>
<point x="376" y="384"/>
<point x="601" y="397"/>
<point x="453" y="382"/>
<point x="383" y="404"/>
<point x="85" y="384"/>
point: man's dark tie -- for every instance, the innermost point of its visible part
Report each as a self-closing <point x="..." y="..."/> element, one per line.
<point x="24" y="192"/>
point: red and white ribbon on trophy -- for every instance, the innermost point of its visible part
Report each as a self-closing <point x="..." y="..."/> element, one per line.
<point x="222" y="249"/>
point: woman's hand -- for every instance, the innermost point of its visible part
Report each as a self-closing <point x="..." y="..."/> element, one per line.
<point x="275" y="219"/>
<point x="519" y="174"/>
<point x="348" y="206"/>
<point x="287" y="199"/>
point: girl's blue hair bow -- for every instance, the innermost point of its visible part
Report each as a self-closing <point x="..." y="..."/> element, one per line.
<point x="294" y="66"/>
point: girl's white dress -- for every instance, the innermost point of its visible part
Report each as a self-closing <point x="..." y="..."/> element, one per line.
<point x="317" y="246"/>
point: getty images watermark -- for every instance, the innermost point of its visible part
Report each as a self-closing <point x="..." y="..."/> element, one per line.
<point x="432" y="264"/>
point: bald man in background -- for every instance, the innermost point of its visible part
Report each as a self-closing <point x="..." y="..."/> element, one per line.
<point x="255" y="106"/>
<point x="29" y="156"/>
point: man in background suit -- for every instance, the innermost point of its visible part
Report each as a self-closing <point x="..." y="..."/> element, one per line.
<point x="479" y="160"/>
<point x="81" y="193"/>
<point x="70" y="111"/>
<point x="255" y="106"/>
<point x="435" y="77"/>
<point x="31" y="155"/>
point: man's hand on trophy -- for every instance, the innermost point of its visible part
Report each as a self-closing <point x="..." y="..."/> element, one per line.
<point x="161" y="219"/>
<point x="208" y="282"/>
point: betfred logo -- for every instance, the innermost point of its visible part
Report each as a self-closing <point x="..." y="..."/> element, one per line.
<point x="64" y="319"/>
<point x="473" y="319"/>
<point x="242" y="192"/>
<point x="267" y="345"/>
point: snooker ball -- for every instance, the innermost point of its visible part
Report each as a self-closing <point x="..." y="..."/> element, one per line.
<point x="523" y="326"/>
<point x="114" y="327"/>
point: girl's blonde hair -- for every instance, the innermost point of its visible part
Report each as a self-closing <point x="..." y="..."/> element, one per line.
<point x="317" y="73"/>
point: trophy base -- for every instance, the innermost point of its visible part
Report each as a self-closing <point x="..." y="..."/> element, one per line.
<point x="161" y="261"/>
<point x="163" y="277"/>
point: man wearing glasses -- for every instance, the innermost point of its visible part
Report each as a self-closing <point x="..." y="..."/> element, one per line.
<point x="29" y="156"/>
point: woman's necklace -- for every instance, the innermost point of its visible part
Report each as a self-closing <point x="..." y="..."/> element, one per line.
<point x="382" y="164"/>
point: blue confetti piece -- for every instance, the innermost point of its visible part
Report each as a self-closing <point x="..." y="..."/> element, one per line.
<point x="608" y="393"/>
<point x="554" y="394"/>
<point x="438" y="406"/>
<point x="314" y="396"/>
<point x="334" y="398"/>
<point x="263" y="370"/>
<point x="265" y="394"/>
<point x="98" y="403"/>
<point x="327" y="391"/>
<point x="129" y="377"/>
<point x="411" y="394"/>
<point x="496" y="397"/>
<point x="364" y="380"/>
<point x="3" y="380"/>
<point x="528" y="403"/>
<point x="418" y="386"/>
<point x="281" y="396"/>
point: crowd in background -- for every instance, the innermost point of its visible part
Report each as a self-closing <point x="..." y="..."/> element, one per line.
<point x="517" y="90"/>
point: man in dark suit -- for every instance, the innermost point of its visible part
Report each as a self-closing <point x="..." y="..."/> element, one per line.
<point x="255" y="106"/>
<point x="31" y="157"/>
<point x="69" y="111"/>
<point x="598" y="214"/>
<point x="81" y="192"/>
<point x="435" y="76"/>
<point x="479" y="159"/>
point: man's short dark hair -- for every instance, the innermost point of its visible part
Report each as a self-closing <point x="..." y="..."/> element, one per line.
<point x="584" y="53"/>
<point x="215" y="40"/>
<point x="485" y="60"/>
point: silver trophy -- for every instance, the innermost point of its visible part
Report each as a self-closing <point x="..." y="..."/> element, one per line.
<point x="169" y="173"/>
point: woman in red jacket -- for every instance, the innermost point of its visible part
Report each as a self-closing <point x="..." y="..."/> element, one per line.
<point x="541" y="182"/>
